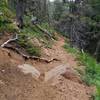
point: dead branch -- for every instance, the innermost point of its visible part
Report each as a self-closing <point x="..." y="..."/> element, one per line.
<point x="10" y="40"/>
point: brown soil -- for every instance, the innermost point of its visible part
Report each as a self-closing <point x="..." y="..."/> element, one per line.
<point x="15" y="85"/>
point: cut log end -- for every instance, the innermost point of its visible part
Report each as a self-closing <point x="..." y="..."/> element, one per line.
<point x="29" y="69"/>
<point x="59" y="70"/>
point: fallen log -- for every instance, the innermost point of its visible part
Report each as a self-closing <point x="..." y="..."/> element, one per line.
<point x="59" y="70"/>
<point x="30" y="57"/>
<point x="5" y="45"/>
<point x="44" y="30"/>
<point x="29" y="69"/>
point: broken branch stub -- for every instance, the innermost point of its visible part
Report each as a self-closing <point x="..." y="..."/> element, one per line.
<point x="8" y="41"/>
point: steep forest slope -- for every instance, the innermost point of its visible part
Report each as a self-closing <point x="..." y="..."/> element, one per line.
<point x="34" y="64"/>
<point x="14" y="84"/>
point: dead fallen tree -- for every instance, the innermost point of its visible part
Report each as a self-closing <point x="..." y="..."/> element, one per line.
<point x="18" y="50"/>
<point x="30" y="57"/>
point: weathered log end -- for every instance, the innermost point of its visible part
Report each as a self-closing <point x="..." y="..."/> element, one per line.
<point x="55" y="72"/>
<point x="29" y="69"/>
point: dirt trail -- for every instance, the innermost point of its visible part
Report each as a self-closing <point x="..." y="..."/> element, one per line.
<point x="15" y="85"/>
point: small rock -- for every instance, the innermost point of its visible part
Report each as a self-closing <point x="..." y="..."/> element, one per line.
<point x="72" y="75"/>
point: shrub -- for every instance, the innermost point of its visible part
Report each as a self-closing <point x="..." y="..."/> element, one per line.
<point x="28" y="46"/>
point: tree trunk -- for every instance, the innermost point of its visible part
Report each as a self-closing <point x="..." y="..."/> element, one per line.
<point x="20" y="13"/>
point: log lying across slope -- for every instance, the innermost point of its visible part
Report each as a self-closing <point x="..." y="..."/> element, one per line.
<point x="9" y="46"/>
<point x="44" y="30"/>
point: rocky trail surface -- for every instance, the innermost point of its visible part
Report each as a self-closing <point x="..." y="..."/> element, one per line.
<point x="22" y="79"/>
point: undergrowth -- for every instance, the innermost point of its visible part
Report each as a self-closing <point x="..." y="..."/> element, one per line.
<point x="29" y="31"/>
<point x="48" y="27"/>
<point x="92" y="69"/>
<point x="6" y="16"/>
<point x="32" y="31"/>
<point x="28" y="46"/>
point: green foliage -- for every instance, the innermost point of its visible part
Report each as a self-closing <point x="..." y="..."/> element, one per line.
<point x="6" y="17"/>
<point x="69" y="49"/>
<point x="29" y="29"/>
<point x="8" y="28"/>
<point x="34" y="50"/>
<point x="48" y="27"/>
<point x="97" y="96"/>
<point x="6" y="12"/>
<point x="92" y="68"/>
<point x="92" y="24"/>
<point x="95" y="5"/>
<point x="97" y="18"/>
<point x="59" y="9"/>
<point x="88" y="20"/>
<point x="32" y="31"/>
<point x="28" y="46"/>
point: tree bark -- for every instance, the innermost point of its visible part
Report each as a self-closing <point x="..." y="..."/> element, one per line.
<point x="20" y="13"/>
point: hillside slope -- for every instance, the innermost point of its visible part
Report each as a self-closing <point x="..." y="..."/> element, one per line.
<point x="16" y="85"/>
